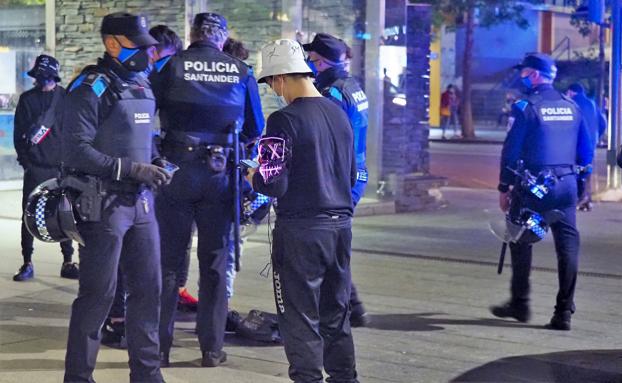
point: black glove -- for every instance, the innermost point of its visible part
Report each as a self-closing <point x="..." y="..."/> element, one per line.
<point x="151" y="175"/>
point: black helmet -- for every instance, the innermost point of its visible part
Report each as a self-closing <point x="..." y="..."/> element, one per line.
<point x="256" y="207"/>
<point x="49" y="214"/>
<point x="527" y="226"/>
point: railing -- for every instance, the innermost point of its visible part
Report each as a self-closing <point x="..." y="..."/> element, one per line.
<point x="563" y="47"/>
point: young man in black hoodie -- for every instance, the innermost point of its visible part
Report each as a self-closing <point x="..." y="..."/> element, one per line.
<point x="37" y="143"/>
<point x="307" y="162"/>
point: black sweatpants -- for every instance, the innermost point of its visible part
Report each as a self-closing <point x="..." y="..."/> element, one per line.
<point x="311" y="260"/>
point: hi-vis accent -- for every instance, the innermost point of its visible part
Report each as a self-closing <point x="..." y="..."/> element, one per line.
<point x="361" y="100"/>
<point x="278" y="294"/>
<point x="557" y="114"/>
<point x="142" y="118"/>
<point x="214" y="71"/>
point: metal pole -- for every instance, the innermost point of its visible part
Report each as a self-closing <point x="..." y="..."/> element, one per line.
<point x="613" y="172"/>
<point x="237" y="128"/>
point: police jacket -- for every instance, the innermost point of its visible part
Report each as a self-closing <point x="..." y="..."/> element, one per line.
<point x="546" y="130"/>
<point x="31" y="110"/>
<point x="108" y="120"/>
<point x="336" y="84"/>
<point x="202" y="92"/>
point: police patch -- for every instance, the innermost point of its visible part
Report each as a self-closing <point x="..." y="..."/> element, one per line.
<point x="521" y="104"/>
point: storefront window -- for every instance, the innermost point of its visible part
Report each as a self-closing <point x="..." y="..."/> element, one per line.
<point x="22" y="39"/>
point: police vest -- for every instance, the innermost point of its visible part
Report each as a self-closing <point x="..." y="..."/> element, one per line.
<point x="552" y="139"/>
<point x="126" y="127"/>
<point x="354" y="101"/>
<point x="206" y="92"/>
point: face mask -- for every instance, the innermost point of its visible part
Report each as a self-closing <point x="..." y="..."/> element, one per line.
<point x="134" y="59"/>
<point x="42" y="81"/>
<point x="526" y="82"/>
<point x="279" y="100"/>
<point x="311" y="65"/>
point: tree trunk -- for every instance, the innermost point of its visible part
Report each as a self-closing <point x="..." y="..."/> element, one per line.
<point x="468" y="130"/>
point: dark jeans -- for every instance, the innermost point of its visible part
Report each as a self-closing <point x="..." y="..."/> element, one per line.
<point x="311" y="260"/>
<point x="126" y="235"/>
<point x="33" y="176"/>
<point x="199" y="195"/>
<point x="566" y="237"/>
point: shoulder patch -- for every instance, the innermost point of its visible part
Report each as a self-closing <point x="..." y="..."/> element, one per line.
<point x="77" y="82"/>
<point x="97" y="82"/>
<point x="160" y="64"/>
<point x="335" y="93"/>
<point x="521" y="104"/>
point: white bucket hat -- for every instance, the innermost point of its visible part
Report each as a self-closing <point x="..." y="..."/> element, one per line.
<point x="283" y="56"/>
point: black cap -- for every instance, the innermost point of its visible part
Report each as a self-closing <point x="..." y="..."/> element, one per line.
<point x="131" y="26"/>
<point x="327" y="46"/>
<point x="540" y="62"/>
<point x="209" y="18"/>
<point x="46" y="66"/>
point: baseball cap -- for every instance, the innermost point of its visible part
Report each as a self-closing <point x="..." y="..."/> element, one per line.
<point x="209" y="18"/>
<point x="327" y="46"/>
<point x="539" y="61"/>
<point x="134" y="27"/>
<point x="283" y="56"/>
<point x="46" y="66"/>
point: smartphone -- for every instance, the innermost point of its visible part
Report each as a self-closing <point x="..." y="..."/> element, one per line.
<point x="169" y="167"/>
<point x="249" y="164"/>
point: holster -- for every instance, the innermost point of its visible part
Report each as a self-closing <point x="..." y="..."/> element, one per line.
<point x="87" y="194"/>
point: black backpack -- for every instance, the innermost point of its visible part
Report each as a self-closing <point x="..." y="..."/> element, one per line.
<point x="260" y="326"/>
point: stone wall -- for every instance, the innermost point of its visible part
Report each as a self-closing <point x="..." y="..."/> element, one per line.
<point x="78" y="41"/>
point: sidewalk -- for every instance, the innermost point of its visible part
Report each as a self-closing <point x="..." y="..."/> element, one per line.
<point x="427" y="280"/>
<point x="483" y="135"/>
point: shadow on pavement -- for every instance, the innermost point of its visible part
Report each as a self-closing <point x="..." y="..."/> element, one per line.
<point x="426" y="322"/>
<point x="581" y="366"/>
<point x="49" y="365"/>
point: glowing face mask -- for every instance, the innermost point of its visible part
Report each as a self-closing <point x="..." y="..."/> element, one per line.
<point x="272" y="158"/>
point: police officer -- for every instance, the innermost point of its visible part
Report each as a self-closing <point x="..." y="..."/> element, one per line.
<point x="327" y="55"/>
<point x="596" y="124"/>
<point x="108" y="123"/>
<point x="36" y="138"/>
<point x="201" y="95"/>
<point x="548" y="134"/>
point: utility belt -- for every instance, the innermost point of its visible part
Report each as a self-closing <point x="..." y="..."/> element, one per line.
<point x="558" y="171"/>
<point x="538" y="181"/>
<point x="214" y="148"/>
<point x="88" y="193"/>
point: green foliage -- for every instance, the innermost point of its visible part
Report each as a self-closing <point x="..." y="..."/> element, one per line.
<point x="488" y="12"/>
<point x="16" y="3"/>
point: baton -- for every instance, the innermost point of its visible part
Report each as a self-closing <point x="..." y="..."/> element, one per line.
<point x="502" y="257"/>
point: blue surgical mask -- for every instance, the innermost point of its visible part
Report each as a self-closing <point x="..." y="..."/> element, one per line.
<point x="526" y="82"/>
<point x="311" y="65"/>
<point x="279" y="100"/>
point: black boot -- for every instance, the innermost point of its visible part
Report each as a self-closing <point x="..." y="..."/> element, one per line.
<point x="560" y="321"/>
<point x="518" y="311"/>
<point x="25" y="272"/>
<point x="113" y="334"/>
<point x="70" y="270"/>
<point x="213" y="358"/>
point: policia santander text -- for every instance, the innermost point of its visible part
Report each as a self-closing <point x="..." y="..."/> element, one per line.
<point x="547" y="133"/>
<point x="201" y="93"/>
<point x="108" y="122"/>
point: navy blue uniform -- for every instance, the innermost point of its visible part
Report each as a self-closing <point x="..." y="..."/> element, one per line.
<point x="337" y="85"/>
<point x="312" y="239"/>
<point x="40" y="161"/>
<point x="108" y="122"/>
<point x="200" y="94"/>
<point x="547" y="133"/>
